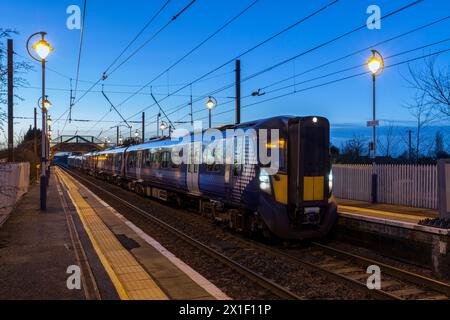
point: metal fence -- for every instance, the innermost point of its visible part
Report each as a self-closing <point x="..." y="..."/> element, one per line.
<point x="408" y="185"/>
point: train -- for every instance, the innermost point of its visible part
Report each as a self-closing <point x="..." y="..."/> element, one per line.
<point x="239" y="188"/>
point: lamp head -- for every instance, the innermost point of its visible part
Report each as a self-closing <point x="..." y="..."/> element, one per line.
<point x="211" y="103"/>
<point x="42" y="48"/>
<point x="46" y="104"/>
<point x="163" y="126"/>
<point x="376" y="63"/>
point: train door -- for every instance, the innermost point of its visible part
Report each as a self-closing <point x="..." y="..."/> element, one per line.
<point x="308" y="162"/>
<point x="193" y="168"/>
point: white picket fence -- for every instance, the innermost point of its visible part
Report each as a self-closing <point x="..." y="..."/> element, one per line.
<point x="408" y="185"/>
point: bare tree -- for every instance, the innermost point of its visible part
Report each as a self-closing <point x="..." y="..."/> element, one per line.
<point x="20" y="68"/>
<point x="354" y="149"/>
<point x="389" y="141"/>
<point x="424" y="114"/>
<point x="433" y="84"/>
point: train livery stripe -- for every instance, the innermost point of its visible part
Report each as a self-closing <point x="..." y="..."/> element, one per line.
<point x="313" y="188"/>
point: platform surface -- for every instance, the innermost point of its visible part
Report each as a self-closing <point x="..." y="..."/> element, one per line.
<point x="35" y="250"/>
<point x="400" y="216"/>
<point x="117" y="259"/>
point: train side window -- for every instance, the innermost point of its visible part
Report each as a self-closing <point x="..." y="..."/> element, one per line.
<point x="180" y="155"/>
<point x="238" y="146"/>
<point x="165" y="159"/>
<point x="148" y="158"/>
<point x="155" y="159"/>
<point x="132" y="160"/>
<point x="215" y="167"/>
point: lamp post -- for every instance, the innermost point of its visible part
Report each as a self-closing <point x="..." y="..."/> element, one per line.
<point x="210" y="105"/>
<point x="49" y="140"/>
<point x="42" y="49"/>
<point x="45" y="104"/>
<point x="376" y="67"/>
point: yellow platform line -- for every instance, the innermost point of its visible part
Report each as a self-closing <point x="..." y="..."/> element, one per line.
<point x="127" y="275"/>
<point x="383" y="213"/>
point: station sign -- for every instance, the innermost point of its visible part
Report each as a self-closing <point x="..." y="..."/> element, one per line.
<point x="374" y="123"/>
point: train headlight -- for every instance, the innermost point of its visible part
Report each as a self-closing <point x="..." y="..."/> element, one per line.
<point x="330" y="181"/>
<point x="264" y="182"/>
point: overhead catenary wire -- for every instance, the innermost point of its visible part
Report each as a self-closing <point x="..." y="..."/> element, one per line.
<point x="149" y="22"/>
<point x="392" y="13"/>
<point x="345" y="70"/>
<point x="361" y="50"/>
<point x="80" y="49"/>
<point x="291" y="26"/>
<point x="106" y="75"/>
<point x="310" y="50"/>
<point x="212" y="35"/>
<point x="320" y="46"/>
<point x="353" y="53"/>
<point x="334" y="81"/>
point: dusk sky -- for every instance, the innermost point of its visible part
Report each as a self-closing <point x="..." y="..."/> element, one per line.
<point x="111" y="25"/>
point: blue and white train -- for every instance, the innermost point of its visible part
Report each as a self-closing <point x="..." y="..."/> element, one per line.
<point x="295" y="203"/>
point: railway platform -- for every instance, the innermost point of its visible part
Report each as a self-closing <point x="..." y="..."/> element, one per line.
<point x="81" y="248"/>
<point x="396" y="231"/>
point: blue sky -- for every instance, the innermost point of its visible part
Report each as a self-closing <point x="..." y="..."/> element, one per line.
<point x="110" y="25"/>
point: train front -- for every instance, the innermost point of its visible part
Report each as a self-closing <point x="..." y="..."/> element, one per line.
<point x="296" y="202"/>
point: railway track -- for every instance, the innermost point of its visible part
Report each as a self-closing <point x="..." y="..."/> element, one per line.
<point x="396" y="283"/>
<point x="341" y="266"/>
<point x="262" y="281"/>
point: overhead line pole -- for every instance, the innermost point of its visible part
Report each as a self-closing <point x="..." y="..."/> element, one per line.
<point x="35" y="142"/>
<point x="10" y="102"/>
<point x="238" y="91"/>
<point x="143" y="127"/>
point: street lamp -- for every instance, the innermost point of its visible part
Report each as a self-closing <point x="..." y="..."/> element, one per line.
<point x="42" y="48"/>
<point x="376" y="67"/>
<point x="210" y="105"/>
<point x="162" y="127"/>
